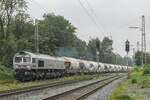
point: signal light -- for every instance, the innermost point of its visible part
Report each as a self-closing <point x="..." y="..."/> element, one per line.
<point x="127" y="48"/>
<point x="97" y="44"/>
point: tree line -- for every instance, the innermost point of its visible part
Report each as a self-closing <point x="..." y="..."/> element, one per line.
<point x="138" y="58"/>
<point x="57" y="36"/>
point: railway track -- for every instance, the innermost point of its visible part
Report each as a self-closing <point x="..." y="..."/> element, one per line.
<point x="82" y="91"/>
<point x="18" y="91"/>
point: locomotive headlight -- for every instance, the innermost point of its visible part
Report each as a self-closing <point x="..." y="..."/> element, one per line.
<point x="15" y="73"/>
<point x="28" y="67"/>
<point x="27" y="73"/>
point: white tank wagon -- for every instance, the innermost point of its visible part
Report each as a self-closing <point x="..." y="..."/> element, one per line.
<point x="118" y="68"/>
<point x="92" y="68"/>
<point x="111" y="68"/>
<point x="101" y="69"/>
<point x="97" y="68"/>
<point x="78" y="65"/>
<point x="114" y="68"/>
<point x="106" y="68"/>
<point x="124" y="68"/>
<point x="84" y="66"/>
<point x="73" y="65"/>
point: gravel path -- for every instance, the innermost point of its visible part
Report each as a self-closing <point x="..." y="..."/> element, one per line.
<point x="105" y="92"/>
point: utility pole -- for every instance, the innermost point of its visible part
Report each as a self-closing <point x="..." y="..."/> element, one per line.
<point x="138" y="46"/>
<point x="134" y="56"/>
<point x="116" y="59"/>
<point x="36" y="36"/>
<point x="143" y="42"/>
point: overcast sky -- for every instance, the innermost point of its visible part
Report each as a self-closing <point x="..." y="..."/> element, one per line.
<point x="112" y="17"/>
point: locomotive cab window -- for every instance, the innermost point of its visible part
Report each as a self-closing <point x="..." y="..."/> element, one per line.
<point x="40" y="63"/>
<point x="18" y="59"/>
<point x="26" y="59"/>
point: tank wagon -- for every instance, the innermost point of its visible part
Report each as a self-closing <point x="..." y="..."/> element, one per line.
<point x="31" y="66"/>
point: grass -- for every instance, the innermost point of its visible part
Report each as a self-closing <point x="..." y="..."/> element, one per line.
<point x="139" y="78"/>
<point x="119" y="90"/>
<point x="138" y="93"/>
<point x="45" y="91"/>
<point x="126" y="97"/>
<point x="16" y="84"/>
<point x="73" y="77"/>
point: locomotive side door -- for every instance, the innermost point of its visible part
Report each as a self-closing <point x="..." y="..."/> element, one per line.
<point x="67" y="66"/>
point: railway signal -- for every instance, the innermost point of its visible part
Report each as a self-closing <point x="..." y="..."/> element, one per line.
<point x="97" y="50"/>
<point x="97" y="44"/>
<point x="127" y="46"/>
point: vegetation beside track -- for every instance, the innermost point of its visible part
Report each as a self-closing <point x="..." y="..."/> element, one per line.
<point x="135" y="86"/>
<point x="5" y="73"/>
<point x="7" y="80"/>
<point x="17" y="84"/>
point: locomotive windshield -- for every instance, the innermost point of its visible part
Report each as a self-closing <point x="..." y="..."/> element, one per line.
<point x="18" y="59"/>
<point x="26" y="59"/>
<point x="22" y="59"/>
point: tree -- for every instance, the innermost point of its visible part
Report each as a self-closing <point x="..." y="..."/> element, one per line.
<point x="106" y="50"/>
<point x="138" y="58"/>
<point x="7" y="9"/>
<point x="92" y="49"/>
<point x="55" y="32"/>
<point x="56" y="36"/>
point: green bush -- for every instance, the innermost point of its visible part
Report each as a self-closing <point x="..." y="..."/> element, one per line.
<point x="134" y="80"/>
<point x="145" y="83"/>
<point x="138" y="69"/>
<point x="146" y="70"/>
<point x="5" y="73"/>
<point x="135" y="75"/>
<point x="124" y="97"/>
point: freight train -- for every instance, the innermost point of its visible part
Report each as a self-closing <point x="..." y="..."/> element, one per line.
<point x="32" y="66"/>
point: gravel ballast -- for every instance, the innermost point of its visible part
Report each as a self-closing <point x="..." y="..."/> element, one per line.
<point x="101" y="94"/>
<point x="38" y="95"/>
<point x="105" y="92"/>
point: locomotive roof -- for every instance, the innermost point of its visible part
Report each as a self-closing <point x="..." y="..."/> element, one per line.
<point x="38" y="55"/>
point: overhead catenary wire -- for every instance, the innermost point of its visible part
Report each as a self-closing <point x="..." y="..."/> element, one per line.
<point x="94" y="15"/>
<point x="93" y="20"/>
<point x="86" y="11"/>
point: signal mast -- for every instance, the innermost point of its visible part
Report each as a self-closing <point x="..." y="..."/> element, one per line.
<point x="97" y="50"/>
<point x="127" y="48"/>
